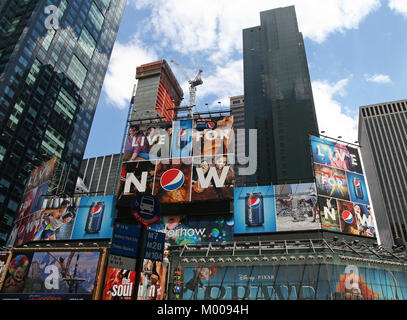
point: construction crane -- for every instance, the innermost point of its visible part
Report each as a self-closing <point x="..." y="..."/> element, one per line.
<point x="197" y="81"/>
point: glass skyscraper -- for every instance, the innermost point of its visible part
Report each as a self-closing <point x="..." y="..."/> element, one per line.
<point x="278" y="98"/>
<point x="51" y="75"/>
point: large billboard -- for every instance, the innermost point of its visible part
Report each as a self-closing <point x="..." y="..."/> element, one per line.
<point x="51" y="275"/>
<point x="268" y="209"/>
<point x="66" y="219"/>
<point x="186" y="229"/>
<point x="343" y="199"/>
<point x="292" y="282"/>
<point x="179" y="162"/>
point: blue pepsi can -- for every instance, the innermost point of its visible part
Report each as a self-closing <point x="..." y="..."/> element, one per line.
<point x="254" y="209"/>
<point x="357" y="188"/>
<point x="95" y="217"/>
<point x="183" y="138"/>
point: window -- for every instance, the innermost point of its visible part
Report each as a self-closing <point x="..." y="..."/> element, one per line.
<point x="87" y="43"/>
<point x="48" y="39"/>
<point x="96" y="17"/>
<point x="77" y="72"/>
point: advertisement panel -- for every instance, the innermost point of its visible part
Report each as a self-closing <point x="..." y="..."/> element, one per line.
<point x="66" y="219"/>
<point x="291" y="282"/>
<point x="51" y="275"/>
<point x="343" y="200"/>
<point x="279" y="208"/>
<point x="3" y="261"/>
<point x="119" y="284"/>
<point x="255" y="210"/>
<point x="40" y="175"/>
<point x="185" y="161"/>
<point x="153" y="281"/>
<point x="181" y="230"/>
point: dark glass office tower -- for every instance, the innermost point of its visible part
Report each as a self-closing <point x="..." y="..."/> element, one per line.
<point x="382" y="136"/>
<point x="278" y="98"/>
<point x="50" y="82"/>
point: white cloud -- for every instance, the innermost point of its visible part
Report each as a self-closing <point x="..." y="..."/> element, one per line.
<point x="400" y="6"/>
<point x="216" y="26"/>
<point x="121" y="74"/>
<point x="331" y="115"/>
<point x="377" y="78"/>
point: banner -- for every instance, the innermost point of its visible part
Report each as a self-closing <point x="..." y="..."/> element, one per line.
<point x="267" y="209"/>
<point x="65" y="219"/>
<point x="343" y="200"/>
<point x="65" y="274"/>
<point x="119" y="284"/>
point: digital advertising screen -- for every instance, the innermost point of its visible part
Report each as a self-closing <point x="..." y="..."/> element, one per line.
<point x="181" y="230"/>
<point x="66" y="219"/>
<point x="292" y="282"/>
<point x="343" y="199"/>
<point x="153" y="281"/>
<point x="119" y="284"/>
<point x="51" y="275"/>
<point x="278" y="208"/>
<point x="179" y="162"/>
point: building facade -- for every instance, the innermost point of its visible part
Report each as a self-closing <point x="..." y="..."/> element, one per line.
<point x="237" y="111"/>
<point x="278" y="98"/>
<point x="51" y="74"/>
<point x="158" y="92"/>
<point x="382" y="135"/>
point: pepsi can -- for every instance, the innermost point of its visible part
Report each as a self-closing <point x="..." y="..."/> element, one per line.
<point x="254" y="209"/>
<point x="357" y="188"/>
<point x="183" y="138"/>
<point x="95" y="217"/>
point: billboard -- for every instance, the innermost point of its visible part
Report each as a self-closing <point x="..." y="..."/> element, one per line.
<point x="179" y="162"/>
<point x="153" y="281"/>
<point x="119" y="284"/>
<point x="66" y="219"/>
<point x="291" y="282"/>
<point x="181" y="230"/>
<point x="3" y="261"/>
<point x="40" y="175"/>
<point x="51" y="275"/>
<point x="343" y="199"/>
<point x="267" y="209"/>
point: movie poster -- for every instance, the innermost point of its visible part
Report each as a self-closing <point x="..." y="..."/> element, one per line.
<point x="153" y="280"/>
<point x="51" y="275"/>
<point x="119" y="284"/>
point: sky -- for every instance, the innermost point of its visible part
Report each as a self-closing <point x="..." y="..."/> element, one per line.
<point x="355" y="51"/>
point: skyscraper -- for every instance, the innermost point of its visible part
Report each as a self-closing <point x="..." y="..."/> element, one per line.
<point x="278" y="98"/>
<point x="51" y="75"/>
<point x="158" y="92"/>
<point x="382" y="136"/>
<point x="237" y="111"/>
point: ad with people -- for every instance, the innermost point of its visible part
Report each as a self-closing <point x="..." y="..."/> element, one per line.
<point x="66" y="219"/>
<point x="51" y="275"/>
<point x="343" y="199"/>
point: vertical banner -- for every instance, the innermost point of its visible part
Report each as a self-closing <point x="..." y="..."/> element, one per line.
<point x="343" y="199"/>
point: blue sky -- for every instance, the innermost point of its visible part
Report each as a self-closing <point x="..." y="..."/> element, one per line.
<point x="355" y="50"/>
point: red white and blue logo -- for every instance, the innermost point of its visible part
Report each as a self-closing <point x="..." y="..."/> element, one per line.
<point x="96" y="210"/>
<point x="182" y="133"/>
<point x="211" y="125"/>
<point x="347" y="216"/>
<point x="253" y="202"/>
<point x="172" y="180"/>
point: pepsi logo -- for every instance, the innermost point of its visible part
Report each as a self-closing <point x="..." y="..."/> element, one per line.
<point x="347" y="216"/>
<point x="182" y="133"/>
<point x="211" y="125"/>
<point x="356" y="183"/>
<point x="253" y="202"/>
<point x="95" y="210"/>
<point x="172" y="180"/>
